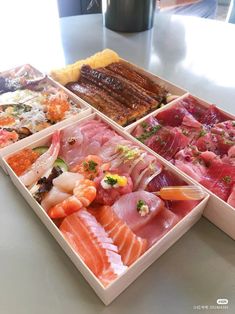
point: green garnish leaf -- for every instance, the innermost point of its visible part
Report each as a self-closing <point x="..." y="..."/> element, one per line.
<point x="110" y="181"/>
<point x="148" y="133"/>
<point x="90" y="166"/>
<point x="202" y="133"/>
<point x="227" y="179"/>
<point x="144" y="125"/>
<point x="128" y="153"/>
<point x="140" y="204"/>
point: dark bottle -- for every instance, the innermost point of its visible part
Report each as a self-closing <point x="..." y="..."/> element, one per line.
<point x="128" y="15"/>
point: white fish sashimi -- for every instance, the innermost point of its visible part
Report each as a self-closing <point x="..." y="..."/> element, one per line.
<point x="126" y="208"/>
<point x="67" y="180"/>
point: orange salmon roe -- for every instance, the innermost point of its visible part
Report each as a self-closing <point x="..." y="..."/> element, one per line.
<point x="56" y="108"/>
<point x="7" y="121"/>
<point x="21" y="161"/>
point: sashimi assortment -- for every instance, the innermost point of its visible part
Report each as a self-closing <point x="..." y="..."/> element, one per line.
<point x="29" y="104"/>
<point x="198" y="140"/>
<point x="100" y="189"/>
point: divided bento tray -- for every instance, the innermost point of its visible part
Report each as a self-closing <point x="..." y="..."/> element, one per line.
<point x="85" y="110"/>
<point x="219" y="212"/>
<point x="109" y="293"/>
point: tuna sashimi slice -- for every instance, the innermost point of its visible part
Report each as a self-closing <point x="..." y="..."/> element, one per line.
<point x="215" y="143"/>
<point x="158" y="226"/>
<point x="208" y="169"/>
<point x="212" y="116"/>
<point x="168" y="142"/>
<point x="220" y="177"/>
<point x="130" y="246"/>
<point x="167" y="178"/>
<point x="194" y="107"/>
<point x="176" y="115"/>
<point x="92" y="244"/>
<point x="126" y="208"/>
<point x="226" y="129"/>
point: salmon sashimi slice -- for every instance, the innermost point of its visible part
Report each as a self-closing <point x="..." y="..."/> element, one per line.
<point x="130" y="246"/>
<point x="90" y="241"/>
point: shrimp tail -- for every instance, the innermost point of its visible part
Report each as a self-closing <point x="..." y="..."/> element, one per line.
<point x="83" y="195"/>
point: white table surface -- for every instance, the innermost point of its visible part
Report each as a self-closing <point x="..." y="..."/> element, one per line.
<point x="35" y="275"/>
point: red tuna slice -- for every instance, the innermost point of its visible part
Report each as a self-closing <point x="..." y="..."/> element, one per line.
<point x="130" y="246"/>
<point x="209" y="170"/>
<point x="230" y="158"/>
<point x="168" y="142"/>
<point x="194" y="107"/>
<point x="213" y="116"/>
<point x="187" y="161"/>
<point x="219" y="178"/>
<point x="165" y="178"/>
<point x="226" y="129"/>
<point x="215" y="143"/>
<point x="145" y="126"/>
<point x="182" y="208"/>
<point x="126" y="208"/>
<point x="175" y="116"/>
<point x="90" y="241"/>
<point x="109" y="196"/>
<point x="164" y="221"/>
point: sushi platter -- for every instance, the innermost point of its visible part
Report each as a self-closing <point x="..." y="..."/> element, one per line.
<point x="120" y="219"/>
<point x="30" y="103"/>
<point x="116" y="162"/>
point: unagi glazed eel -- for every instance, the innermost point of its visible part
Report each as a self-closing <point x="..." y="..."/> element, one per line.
<point x="156" y="91"/>
<point x="102" y="101"/>
<point x="136" y="90"/>
<point x="118" y="89"/>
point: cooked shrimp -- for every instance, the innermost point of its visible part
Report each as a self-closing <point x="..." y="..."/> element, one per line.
<point x="43" y="163"/>
<point x="83" y="194"/>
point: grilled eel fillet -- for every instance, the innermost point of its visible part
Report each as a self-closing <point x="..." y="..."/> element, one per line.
<point x="102" y="101"/>
<point x="121" y="99"/>
<point x="151" y="88"/>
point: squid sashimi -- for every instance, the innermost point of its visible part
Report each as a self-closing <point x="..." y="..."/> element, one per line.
<point x="164" y="221"/>
<point x="130" y="246"/>
<point x="131" y="208"/>
<point x="90" y="241"/>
